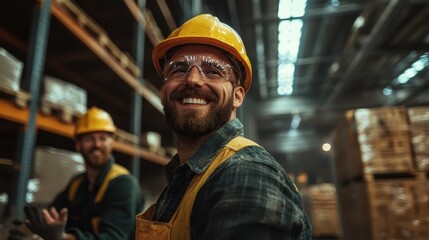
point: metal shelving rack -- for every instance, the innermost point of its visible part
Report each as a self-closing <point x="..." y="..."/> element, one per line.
<point x="96" y="39"/>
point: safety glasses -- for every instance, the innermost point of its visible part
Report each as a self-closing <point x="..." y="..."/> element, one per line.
<point x="209" y="68"/>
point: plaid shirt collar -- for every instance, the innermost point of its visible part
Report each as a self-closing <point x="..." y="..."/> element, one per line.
<point x="209" y="150"/>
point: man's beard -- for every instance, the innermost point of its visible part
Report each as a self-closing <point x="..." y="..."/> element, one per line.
<point x="191" y="123"/>
<point x="98" y="163"/>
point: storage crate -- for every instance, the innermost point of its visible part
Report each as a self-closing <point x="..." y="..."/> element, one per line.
<point x="372" y="141"/>
<point x="64" y="98"/>
<point x="380" y="207"/>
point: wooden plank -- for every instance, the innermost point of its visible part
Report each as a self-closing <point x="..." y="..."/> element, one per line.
<point x="54" y="125"/>
<point x="146" y="21"/>
<point x="143" y="153"/>
<point x="10" y="112"/>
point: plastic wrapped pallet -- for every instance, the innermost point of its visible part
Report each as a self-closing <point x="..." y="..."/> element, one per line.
<point x="53" y="168"/>
<point x="10" y="71"/>
<point x="60" y="95"/>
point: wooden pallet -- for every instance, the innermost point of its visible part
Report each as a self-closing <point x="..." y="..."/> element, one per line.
<point x="385" y="206"/>
<point x="20" y="97"/>
<point x="64" y="113"/>
<point x="385" y="118"/>
<point x="377" y="151"/>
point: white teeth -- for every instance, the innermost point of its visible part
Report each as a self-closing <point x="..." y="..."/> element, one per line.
<point x="194" y="101"/>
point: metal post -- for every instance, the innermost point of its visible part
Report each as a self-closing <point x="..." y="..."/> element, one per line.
<point x="136" y="113"/>
<point x="32" y="77"/>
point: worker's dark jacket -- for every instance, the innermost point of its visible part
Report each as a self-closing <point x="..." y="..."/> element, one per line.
<point x="106" y="212"/>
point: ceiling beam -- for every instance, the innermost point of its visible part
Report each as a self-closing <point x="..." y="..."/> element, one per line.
<point x="260" y="51"/>
<point x="290" y="104"/>
<point x="312" y="13"/>
<point x="387" y="20"/>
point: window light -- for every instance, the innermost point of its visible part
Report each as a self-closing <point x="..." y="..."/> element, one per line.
<point x="289" y="39"/>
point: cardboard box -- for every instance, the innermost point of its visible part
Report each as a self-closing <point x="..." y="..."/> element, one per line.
<point x="10" y="71"/>
<point x="53" y="169"/>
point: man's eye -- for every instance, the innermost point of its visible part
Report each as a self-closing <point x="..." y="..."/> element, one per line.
<point x="213" y="72"/>
<point x="178" y="70"/>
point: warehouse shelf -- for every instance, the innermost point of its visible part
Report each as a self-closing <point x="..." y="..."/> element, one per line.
<point x="54" y="125"/>
<point x="53" y="130"/>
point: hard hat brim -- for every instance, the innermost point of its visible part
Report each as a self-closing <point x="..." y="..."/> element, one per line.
<point x="95" y="130"/>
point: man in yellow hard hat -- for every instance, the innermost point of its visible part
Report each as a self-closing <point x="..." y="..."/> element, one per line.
<point x="220" y="184"/>
<point x="100" y="203"/>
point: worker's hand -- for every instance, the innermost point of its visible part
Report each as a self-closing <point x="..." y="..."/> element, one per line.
<point x="49" y="225"/>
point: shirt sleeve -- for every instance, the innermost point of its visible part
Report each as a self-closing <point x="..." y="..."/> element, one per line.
<point x="121" y="203"/>
<point x="249" y="200"/>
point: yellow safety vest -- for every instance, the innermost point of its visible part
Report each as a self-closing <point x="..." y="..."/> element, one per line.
<point x="115" y="171"/>
<point x="178" y="228"/>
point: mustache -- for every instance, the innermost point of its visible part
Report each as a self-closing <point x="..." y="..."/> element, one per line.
<point x="193" y="92"/>
<point x="95" y="149"/>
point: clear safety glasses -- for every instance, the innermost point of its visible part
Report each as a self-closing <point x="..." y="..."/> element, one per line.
<point x="208" y="67"/>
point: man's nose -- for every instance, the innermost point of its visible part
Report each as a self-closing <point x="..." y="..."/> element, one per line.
<point x="194" y="76"/>
<point x="98" y="142"/>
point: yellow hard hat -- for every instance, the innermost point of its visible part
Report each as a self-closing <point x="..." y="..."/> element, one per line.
<point x="94" y="120"/>
<point x="206" y="29"/>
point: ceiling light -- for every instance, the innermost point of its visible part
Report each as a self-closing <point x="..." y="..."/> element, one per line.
<point x="359" y="22"/>
<point x="335" y="3"/>
<point x="414" y="69"/>
<point x="387" y="91"/>
<point x="296" y="120"/>
<point x="285" y="90"/>
<point x="326" y="147"/>
<point x="289" y="39"/>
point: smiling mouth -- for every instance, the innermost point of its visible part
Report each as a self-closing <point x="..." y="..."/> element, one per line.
<point x="198" y="101"/>
<point x="95" y="152"/>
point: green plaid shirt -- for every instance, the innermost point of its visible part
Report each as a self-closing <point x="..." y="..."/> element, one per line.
<point x="250" y="196"/>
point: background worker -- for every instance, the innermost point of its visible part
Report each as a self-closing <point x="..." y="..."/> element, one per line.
<point x="100" y="203"/>
<point x="220" y="184"/>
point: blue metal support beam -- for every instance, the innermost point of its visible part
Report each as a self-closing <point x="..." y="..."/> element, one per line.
<point x="32" y="78"/>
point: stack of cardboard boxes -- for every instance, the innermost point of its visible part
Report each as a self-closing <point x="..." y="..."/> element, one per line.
<point x="382" y="193"/>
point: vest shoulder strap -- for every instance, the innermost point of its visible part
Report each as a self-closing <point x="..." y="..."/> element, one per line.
<point x="181" y="218"/>
<point x="74" y="185"/>
<point x="115" y="171"/>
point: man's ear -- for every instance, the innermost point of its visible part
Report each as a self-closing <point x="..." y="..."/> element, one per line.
<point x="238" y="96"/>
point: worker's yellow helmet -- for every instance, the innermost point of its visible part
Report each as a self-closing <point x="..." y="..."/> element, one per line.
<point x="94" y="120"/>
<point x="206" y="29"/>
